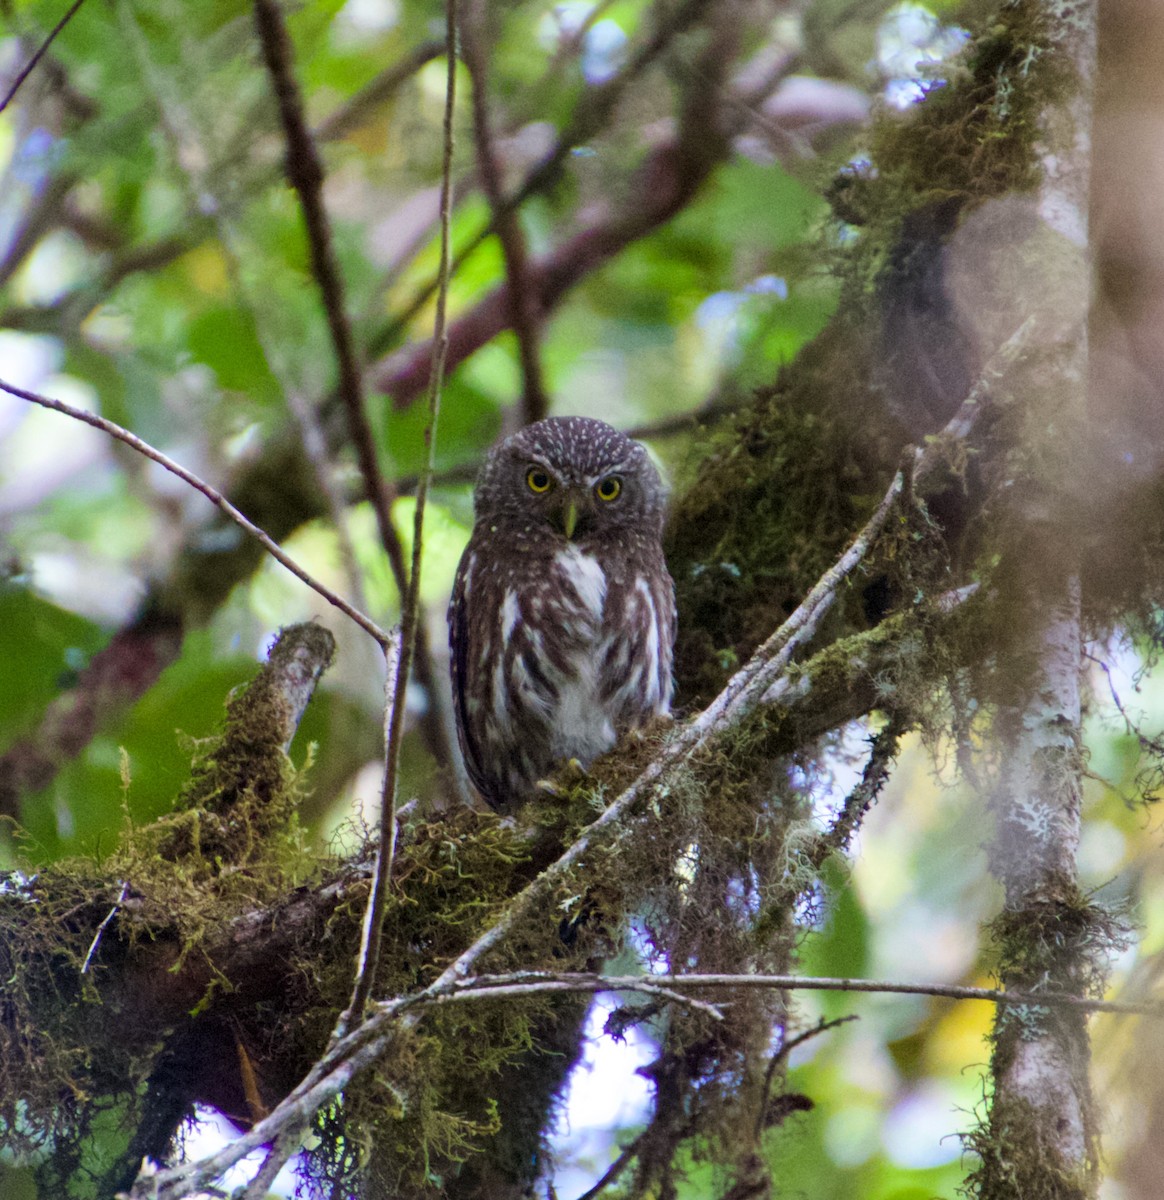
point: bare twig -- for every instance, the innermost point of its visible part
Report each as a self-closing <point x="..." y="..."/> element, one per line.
<point x="781" y="1057"/>
<point x="212" y="494"/>
<point x="530" y="983"/>
<point x="522" y="300"/>
<point x="369" y="954"/>
<point x="42" y="50"/>
<point x="103" y="926"/>
<point x="305" y="173"/>
<point x="941" y="991"/>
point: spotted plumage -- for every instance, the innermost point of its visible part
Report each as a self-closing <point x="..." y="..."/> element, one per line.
<point x="563" y="615"/>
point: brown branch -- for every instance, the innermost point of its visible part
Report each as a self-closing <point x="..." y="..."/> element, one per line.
<point x="305" y="173"/>
<point x="212" y="494"/>
<point x="524" y="316"/>
<point x="592" y="114"/>
<point x="660" y="189"/>
<point x="42" y="50"/>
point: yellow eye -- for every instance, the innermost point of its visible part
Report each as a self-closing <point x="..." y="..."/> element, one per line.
<point x="609" y="488"/>
<point x="538" y="480"/>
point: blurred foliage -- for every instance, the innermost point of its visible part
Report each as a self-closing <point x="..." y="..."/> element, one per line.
<point x="153" y="266"/>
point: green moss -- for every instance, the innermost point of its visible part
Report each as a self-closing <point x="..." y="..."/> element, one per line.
<point x="776" y="496"/>
<point x="1016" y="1163"/>
<point x="1059" y="945"/>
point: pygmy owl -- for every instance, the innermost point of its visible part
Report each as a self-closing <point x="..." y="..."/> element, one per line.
<point x="562" y="619"/>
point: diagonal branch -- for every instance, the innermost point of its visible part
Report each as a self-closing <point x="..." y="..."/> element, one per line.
<point x="305" y="174"/>
<point x="41" y="51"/>
<point x="664" y="183"/>
<point x="212" y="494"/>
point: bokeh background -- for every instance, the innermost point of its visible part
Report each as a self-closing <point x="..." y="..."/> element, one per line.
<point x="153" y="267"/>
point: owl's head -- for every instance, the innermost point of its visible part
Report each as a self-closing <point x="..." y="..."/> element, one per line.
<point x="571" y="476"/>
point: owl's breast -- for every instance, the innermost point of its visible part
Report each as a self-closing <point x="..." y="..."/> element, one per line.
<point x="556" y="653"/>
<point x="569" y="639"/>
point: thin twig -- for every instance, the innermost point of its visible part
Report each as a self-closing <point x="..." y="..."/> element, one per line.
<point x="305" y="173"/>
<point x="616" y="1168"/>
<point x="369" y="954"/>
<point x="781" y="1056"/>
<point x="532" y="983"/>
<point x="212" y="494"/>
<point x="103" y="926"/>
<point x="30" y="66"/>
<point x="528" y="982"/>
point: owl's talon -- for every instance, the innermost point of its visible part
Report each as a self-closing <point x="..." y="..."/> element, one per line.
<point x="573" y="771"/>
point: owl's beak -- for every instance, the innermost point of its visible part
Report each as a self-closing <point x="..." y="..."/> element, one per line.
<point x="572" y="513"/>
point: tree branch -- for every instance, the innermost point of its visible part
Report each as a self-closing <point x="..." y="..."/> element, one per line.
<point x="212" y="494"/>
<point x="42" y="50"/>
<point x="664" y="183"/>
<point x="527" y="982"/>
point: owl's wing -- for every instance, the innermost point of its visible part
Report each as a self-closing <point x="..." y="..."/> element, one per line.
<point x="459" y="669"/>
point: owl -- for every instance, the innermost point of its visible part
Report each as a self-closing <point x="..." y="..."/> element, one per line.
<point x="562" y="619"/>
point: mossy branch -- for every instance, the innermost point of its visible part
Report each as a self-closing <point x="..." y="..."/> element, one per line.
<point x="759" y="683"/>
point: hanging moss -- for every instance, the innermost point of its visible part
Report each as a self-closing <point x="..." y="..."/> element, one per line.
<point x="779" y="492"/>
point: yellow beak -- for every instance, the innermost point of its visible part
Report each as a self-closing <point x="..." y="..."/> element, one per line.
<point x="570" y="518"/>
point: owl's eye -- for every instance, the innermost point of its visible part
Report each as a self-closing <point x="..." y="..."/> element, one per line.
<point x="538" y="480"/>
<point x="609" y="488"/>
